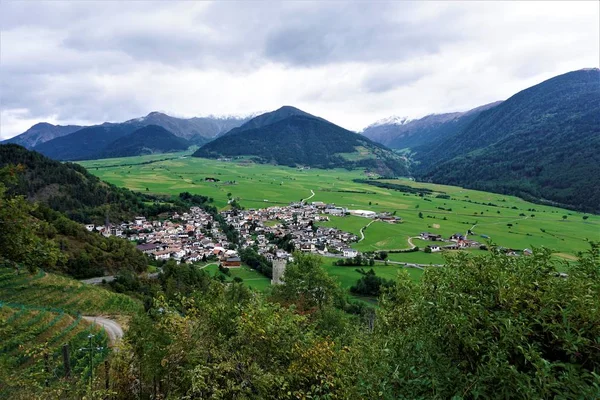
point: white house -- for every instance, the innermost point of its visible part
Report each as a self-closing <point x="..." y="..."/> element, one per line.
<point x="349" y="253"/>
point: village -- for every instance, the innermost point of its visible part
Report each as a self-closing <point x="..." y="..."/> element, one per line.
<point x="196" y="236"/>
<point x="275" y="232"/>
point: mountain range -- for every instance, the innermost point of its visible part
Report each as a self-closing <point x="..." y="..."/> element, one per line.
<point x="74" y="142"/>
<point x="401" y="133"/>
<point x="289" y="136"/>
<point x="542" y="144"/>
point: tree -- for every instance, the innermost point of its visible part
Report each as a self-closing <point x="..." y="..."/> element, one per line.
<point x="492" y="326"/>
<point x="306" y="284"/>
<point x="369" y="284"/>
<point x="20" y="239"/>
<point x="564" y="217"/>
<point x="420" y="214"/>
<point x="585" y="217"/>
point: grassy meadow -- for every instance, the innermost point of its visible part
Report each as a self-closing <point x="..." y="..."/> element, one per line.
<point x="506" y="220"/>
<point x="251" y="277"/>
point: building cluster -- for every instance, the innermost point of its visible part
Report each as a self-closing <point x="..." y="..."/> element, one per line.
<point x="195" y="235"/>
<point x="296" y="223"/>
<point x="188" y="237"/>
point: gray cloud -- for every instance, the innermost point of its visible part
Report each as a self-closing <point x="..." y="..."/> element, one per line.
<point x="352" y="62"/>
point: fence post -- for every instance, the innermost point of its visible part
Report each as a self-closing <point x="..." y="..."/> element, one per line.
<point x="66" y="360"/>
<point x="106" y="377"/>
<point x="47" y="368"/>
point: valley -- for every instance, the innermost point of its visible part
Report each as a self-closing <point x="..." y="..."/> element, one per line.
<point x="506" y="220"/>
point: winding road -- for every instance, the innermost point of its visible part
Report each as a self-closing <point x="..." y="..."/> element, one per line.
<point x="112" y="328"/>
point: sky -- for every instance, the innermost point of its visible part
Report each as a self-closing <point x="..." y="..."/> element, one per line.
<point x="353" y="63"/>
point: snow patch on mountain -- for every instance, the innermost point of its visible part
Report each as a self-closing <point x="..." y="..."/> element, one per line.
<point x="393" y="120"/>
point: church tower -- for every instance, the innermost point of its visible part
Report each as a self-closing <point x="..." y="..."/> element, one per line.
<point x="278" y="271"/>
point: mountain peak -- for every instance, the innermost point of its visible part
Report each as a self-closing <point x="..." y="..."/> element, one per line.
<point x="155" y="114"/>
<point x="42" y="125"/>
<point x="289" y="109"/>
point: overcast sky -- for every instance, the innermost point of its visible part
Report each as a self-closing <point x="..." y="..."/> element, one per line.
<point x="350" y="62"/>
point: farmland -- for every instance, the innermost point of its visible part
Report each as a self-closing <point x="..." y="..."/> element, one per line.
<point x="506" y="220"/>
<point x="62" y="294"/>
<point x="38" y="315"/>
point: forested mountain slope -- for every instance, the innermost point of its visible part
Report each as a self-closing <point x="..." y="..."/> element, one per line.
<point x="147" y="140"/>
<point x="70" y="189"/>
<point x="542" y="143"/>
<point x="86" y="142"/>
<point x="291" y="137"/>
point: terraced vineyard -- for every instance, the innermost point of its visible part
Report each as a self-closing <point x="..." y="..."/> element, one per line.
<point x="62" y="294"/>
<point x="32" y="339"/>
<point x="38" y="315"/>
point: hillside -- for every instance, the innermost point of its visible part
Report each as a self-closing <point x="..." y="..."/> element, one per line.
<point x="42" y="132"/>
<point x="542" y="143"/>
<point x="402" y="133"/>
<point x="292" y="137"/>
<point x="147" y="140"/>
<point x="32" y="341"/>
<point x="70" y="189"/>
<point x="58" y="292"/>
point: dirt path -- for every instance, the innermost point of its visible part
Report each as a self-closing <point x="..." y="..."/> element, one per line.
<point x="362" y="233"/>
<point x="204" y="266"/>
<point x="410" y="243"/>
<point x="312" y="194"/>
<point x="112" y="328"/>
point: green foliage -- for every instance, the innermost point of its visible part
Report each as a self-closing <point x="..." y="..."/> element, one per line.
<point x="494" y="326"/>
<point x="397" y="187"/>
<point x="60" y="294"/>
<point x="21" y="235"/>
<point x="31" y="356"/>
<point x="306" y="284"/>
<point x="370" y="284"/>
<point x="70" y="189"/>
<point x="357" y="261"/>
<point x="250" y="257"/>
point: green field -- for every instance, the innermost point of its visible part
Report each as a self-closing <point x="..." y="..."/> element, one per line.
<point x="347" y="276"/>
<point x="258" y="186"/>
<point x="253" y="279"/>
<point x="59" y="293"/>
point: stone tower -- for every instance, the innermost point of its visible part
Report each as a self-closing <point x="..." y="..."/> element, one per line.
<point x="278" y="271"/>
